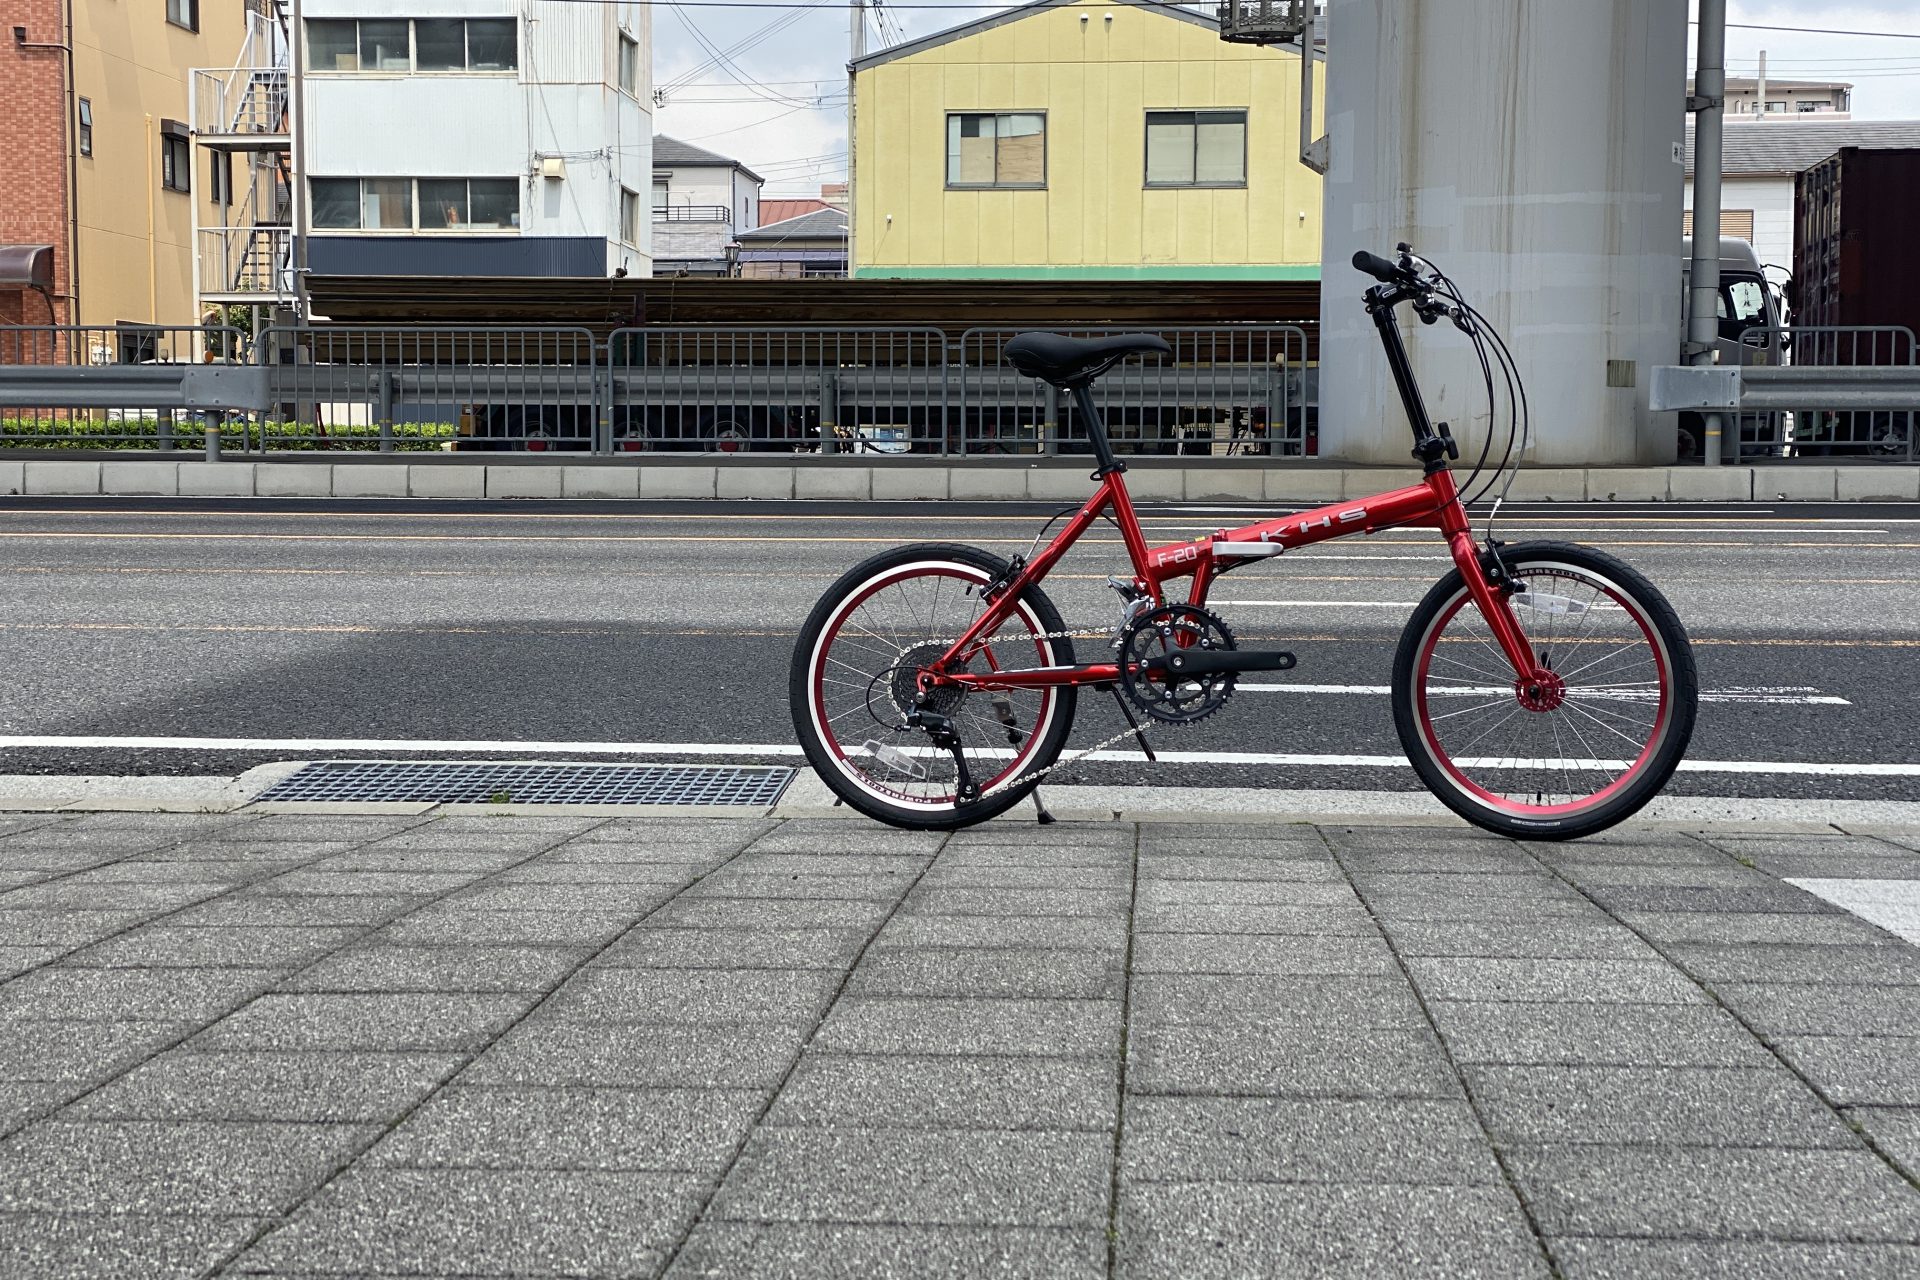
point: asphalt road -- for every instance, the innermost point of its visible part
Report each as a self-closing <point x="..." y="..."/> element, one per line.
<point x="671" y="623"/>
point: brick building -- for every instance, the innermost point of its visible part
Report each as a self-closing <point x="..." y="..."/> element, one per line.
<point x="97" y="165"/>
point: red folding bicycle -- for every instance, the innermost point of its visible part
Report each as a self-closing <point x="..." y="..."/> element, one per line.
<point x="1542" y="690"/>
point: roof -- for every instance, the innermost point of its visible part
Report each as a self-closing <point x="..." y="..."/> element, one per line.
<point x="1207" y="19"/>
<point x="673" y="151"/>
<point x="819" y="224"/>
<point x="1744" y="83"/>
<point x="779" y="210"/>
<point x="1755" y="149"/>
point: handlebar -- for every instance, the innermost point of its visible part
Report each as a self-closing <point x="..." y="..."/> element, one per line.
<point x="1385" y="270"/>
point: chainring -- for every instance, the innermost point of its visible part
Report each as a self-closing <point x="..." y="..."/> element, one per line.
<point x="1158" y="633"/>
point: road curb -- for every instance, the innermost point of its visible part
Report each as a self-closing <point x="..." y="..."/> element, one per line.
<point x="888" y="479"/>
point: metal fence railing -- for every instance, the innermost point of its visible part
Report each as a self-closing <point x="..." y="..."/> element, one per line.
<point x="1225" y="390"/>
<point x="1835" y="429"/>
<point x="90" y="422"/>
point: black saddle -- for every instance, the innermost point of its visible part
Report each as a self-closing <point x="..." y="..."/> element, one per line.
<point x="1071" y="363"/>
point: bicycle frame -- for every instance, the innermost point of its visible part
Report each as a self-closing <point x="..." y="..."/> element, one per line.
<point x="1433" y="503"/>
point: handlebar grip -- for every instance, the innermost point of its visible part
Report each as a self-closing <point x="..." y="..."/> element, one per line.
<point x="1385" y="270"/>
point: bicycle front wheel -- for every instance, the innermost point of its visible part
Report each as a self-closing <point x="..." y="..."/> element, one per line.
<point x="853" y="679"/>
<point x="1569" y="755"/>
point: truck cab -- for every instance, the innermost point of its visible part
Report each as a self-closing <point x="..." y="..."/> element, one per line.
<point x="1750" y="332"/>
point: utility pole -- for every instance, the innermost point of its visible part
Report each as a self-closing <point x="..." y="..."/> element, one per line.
<point x="1760" y="102"/>
<point x="857" y="24"/>
<point x="1708" y="104"/>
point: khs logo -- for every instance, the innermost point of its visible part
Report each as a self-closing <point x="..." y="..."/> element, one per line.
<point x="1326" y="522"/>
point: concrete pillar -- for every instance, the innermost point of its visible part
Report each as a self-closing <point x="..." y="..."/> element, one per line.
<point x="1531" y="148"/>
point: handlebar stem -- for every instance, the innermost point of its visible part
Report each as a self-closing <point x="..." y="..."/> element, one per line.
<point x="1381" y="301"/>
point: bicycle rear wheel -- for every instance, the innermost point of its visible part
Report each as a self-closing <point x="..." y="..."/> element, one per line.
<point x="1566" y="756"/>
<point x="852" y="683"/>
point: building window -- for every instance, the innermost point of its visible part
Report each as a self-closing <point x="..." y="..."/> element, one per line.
<point x="86" y="126"/>
<point x="630" y="216"/>
<point x="1735" y="224"/>
<point x="420" y="44"/>
<point x="415" y="204"/>
<point x="176" y="157"/>
<point x="660" y="189"/>
<point x="220" y="177"/>
<point x="184" y="13"/>
<point x="1003" y="149"/>
<point x="1196" y="148"/>
<point x="629" y="65"/>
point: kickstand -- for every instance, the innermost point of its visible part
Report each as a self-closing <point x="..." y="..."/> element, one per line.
<point x="1120" y="698"/>
<point x="1045" y="818"/>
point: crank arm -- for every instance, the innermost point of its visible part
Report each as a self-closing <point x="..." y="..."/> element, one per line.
<point x="1207" y="662"/>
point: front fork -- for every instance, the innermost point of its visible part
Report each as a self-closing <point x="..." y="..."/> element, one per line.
<point x="1490" y="595"/>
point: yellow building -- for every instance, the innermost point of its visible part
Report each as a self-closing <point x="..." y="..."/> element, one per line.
<point x="1082" y="139"/>
<point x="103" y="172"/>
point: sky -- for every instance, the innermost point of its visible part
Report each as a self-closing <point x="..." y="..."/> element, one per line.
<point x="777" y="100"/>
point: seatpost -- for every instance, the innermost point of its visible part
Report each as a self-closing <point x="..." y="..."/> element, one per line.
<point x="1096" y="431"/>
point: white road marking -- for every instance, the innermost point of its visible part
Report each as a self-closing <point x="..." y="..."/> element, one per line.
<point x="1786" y="695"/>
<point x="1894" y="905"/>
<point x="498" y="747"/>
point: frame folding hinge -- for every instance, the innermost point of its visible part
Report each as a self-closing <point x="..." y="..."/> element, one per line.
<point x="1697" y="103"/>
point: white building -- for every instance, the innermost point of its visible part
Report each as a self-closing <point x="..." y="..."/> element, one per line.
<point x="1788" y="99"/>
<point x="701" y="201"/>
<point x="1757" y="168"/>
<point x="474" y="137"/>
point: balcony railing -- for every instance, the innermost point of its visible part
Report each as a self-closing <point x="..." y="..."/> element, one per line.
<point x="692" y="213"/>
<point x="240" y="101"/>
<point x="249" y="262"/>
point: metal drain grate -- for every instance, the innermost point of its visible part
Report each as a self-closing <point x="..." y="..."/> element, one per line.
<point x="480" y="781"/>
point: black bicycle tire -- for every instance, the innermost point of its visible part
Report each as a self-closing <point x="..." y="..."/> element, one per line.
<point x="821" y="759"/>
<point x="1633" y="797"/>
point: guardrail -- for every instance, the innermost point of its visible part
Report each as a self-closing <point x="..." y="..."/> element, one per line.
<point x="1227" y="390"/>
<point x="1847" y="392"/>
<point x="121" y="386"/>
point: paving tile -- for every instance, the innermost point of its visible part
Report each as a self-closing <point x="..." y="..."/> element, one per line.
<point x="108" y="897"/>
<point x="655" y="873"/>
<point x="1395" y="908"/>
<point x="1627" y="1035"/>
<point x="809" y="836"/>
<point x="520" y="1222"/>
<point x="1164" y="1000"/>
<point x="1240" y="1230"/>
<point x="882" y="886"/>
<point x="15" y="961"/>
<point x="1746" y="927"/>
<point x="24" y="1101"/>
<point x="469" y="1127"/>
<point x="328" y="884"/>
<point x="1827" y="1009"/>
<point x="1533" y="888"/>
<point x="1230" y="953"/>
<point x="947" y="874"/>
<point x="771" y="913"/>
<point x="937" y="901"/>
<point x="18" y="857"/>
<point x="109" y="995"/>
<point x="295" y="910"/>
<point x="1725" y="875"/>
<point x="1689" y="1106"/>
<point x="386" y="968"/>
<point x="313" y="1087"/>
<point x="695" y="995"/>
<point x="189" y="1167"/>
<point x="849" y="1251"/>
<point x="954" y="1092"/>
<point x="1580" y="981"/>
<point x="1248" y="893"/>
<point x="956" y="1177"/>
<point x="1304" y="1140"/>
<point x="1775" y="897"/>
<point x="1604" y="1259"/>
<point x="165" y="947"/>
<point x="1681" y="1191"/>
<point x="957" y="856"/>
<point x="1050" y="1028"/>
<point x="1349" y="918"/>
<point x="1103" y="933"/>
<point x="1889" y="963"/>
<point x="1289" y="1062"/>
<point x="1167" y="866"/>
<point x="341" y="858"/>
<point x="989" y="972"/>
<point x="1472" y="860"/>
<point x="634" y="899"/>
<point x="388" y="1021"/>
<point x="117" y="1246"/>
<point x="551" y="1053"/>
<point x="1565" y="939"/>
<point x="35" y="1049"/>
<point x="1858" y="1070"/>
<point x="439" y="925"/>
<point x="205" y="873"/>
<point x="652" y="948"/>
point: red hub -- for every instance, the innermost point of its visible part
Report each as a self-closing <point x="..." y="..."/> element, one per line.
<point x="1541" y="691"/>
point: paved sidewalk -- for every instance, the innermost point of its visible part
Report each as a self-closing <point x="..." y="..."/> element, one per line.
<point x="317" y="1045"/>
